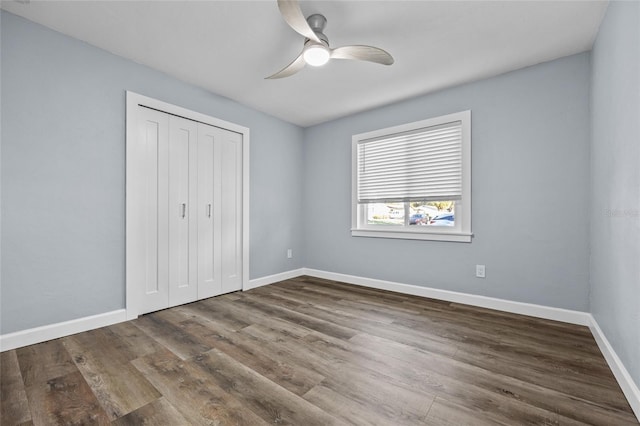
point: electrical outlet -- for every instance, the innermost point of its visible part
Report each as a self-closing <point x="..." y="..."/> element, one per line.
<point x="289" y="253"/>
<point x="480" y="271"/>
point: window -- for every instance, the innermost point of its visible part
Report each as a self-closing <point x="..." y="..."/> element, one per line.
<point x="414" y="181"/>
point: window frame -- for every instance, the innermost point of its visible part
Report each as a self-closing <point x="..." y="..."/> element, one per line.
<point x="460" y="232"/>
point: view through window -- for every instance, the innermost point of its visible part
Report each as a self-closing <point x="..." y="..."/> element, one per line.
<point x="417" y="213"/>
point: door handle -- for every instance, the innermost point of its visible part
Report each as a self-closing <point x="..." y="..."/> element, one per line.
<point x="209" y="210"/>
<point x="184" y="210"/>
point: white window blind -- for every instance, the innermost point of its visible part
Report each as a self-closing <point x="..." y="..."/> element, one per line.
<point x="418" y="165"/>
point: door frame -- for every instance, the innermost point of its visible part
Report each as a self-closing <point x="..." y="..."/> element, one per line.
<point x="133" y="173"/>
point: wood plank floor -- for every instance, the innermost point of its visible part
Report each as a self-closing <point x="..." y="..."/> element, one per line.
<point x="314" y="352"/>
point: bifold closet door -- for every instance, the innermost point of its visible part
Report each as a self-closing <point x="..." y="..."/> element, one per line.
<point x="231" y="210"/>
<point x="152" y="146"/>
<point x="191" y="211"/>
<point x="219" y="211"/>
<point x="183" y="227"/>
<point x="209" y="271"/>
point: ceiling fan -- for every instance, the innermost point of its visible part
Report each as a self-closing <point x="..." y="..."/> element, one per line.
<point x="316" y="50"/>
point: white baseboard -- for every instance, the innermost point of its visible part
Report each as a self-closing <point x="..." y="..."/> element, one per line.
<point x="538" y="311"/>
<point x="628" y="386"/>
<point x="53" y="331"/>
<point x="270" y="279"/>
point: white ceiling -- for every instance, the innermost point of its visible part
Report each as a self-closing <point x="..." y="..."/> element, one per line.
<point x="228" y="47"/>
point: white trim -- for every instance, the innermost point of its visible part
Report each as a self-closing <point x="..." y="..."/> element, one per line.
<point x="628" y="386"/>
<point x="54" y="331"/>
<point x="456" y="237"/>
<point x="270" y="279"/>
<point x="132" y="101"/>
<point x="245" y="207"/>
<point x="624" y="379"/>
<point x="530" y="309"/>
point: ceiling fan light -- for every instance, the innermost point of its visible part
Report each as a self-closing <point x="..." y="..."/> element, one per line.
<point x="316" y="55"/>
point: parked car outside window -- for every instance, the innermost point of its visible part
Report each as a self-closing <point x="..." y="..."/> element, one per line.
<point x="418" y="219"/>
<point x="446" y="219"/>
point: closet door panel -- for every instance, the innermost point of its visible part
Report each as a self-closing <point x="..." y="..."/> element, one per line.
<point x="153" y="137"/>
<point x="182" y="198"/>
<point x="209" y="276"/>
<point x="231" y="211"/>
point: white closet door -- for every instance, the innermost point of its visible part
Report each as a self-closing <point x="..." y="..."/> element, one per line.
<point x="231" y="210"/>
<point x="153" y="145"/>
<point x="183" y="261"/>
<point x="209" y="271"/>
<point x="184" y="210"/>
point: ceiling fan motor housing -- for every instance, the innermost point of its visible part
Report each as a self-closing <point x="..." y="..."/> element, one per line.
<point x="317" y="22"/>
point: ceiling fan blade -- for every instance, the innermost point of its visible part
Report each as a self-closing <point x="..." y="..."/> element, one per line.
<point x="290" y="69"/>
<point x="292" y="14"/>
<point x="362" y="53"/>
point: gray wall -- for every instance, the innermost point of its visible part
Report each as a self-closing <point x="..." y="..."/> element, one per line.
<point x="62" y="182"/>
<point x="615" y="182"/>
<point x="63" y="163"/>
<point x="530" y="144"/>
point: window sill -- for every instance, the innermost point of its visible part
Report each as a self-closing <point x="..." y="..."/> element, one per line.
<point x="458" y="237"/>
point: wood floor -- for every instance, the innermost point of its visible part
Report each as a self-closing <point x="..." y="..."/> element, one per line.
<point x="315" y="352"/>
